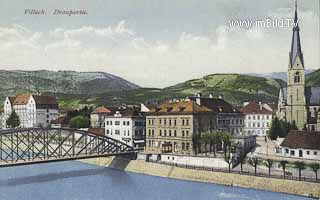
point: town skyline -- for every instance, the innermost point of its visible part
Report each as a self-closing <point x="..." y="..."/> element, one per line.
<point x="160" y="38"/>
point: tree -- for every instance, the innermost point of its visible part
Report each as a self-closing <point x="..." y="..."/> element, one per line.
<point x="300" y="166"/>
<point x="315" y="167"/>
<point x="283" y="164"/>
<point x="269" y="164"/>
<point x="195" y="142"/>
<point x="275" y="128"/>
<point x="228" y="159"/>
<point x="79" y="122"/>
<point x="242" y="159"/>
<point x="13" y="121"/>
<point x="254" y="162"/>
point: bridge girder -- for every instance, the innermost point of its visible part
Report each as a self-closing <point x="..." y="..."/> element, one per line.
<point x="39" y="145"/>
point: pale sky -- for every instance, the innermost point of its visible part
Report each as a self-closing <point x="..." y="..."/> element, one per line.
<point x="155" y="43"/>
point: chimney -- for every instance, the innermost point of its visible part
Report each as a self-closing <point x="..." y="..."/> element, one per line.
<point x="260" y="105"/>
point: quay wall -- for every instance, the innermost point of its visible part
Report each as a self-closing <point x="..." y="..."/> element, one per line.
<point x="261" y="183"/>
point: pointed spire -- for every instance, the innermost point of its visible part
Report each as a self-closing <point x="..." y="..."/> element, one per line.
<point x="295" y="44"/>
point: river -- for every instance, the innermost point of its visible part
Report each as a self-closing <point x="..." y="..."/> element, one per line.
<point x="73" y="180"/>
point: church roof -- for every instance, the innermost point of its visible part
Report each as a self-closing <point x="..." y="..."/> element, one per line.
<point x="296" y="44"/>
<point x="312" y="95"/>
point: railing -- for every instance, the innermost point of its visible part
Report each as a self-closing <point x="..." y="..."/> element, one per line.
<point x="223" y="170"/>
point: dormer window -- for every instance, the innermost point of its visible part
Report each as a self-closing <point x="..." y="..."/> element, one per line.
<point x="297" y="77"/>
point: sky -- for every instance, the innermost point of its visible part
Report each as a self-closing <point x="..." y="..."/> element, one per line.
<point x="155" y="43"/>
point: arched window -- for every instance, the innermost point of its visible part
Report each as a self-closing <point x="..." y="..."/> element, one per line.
<point x="297" y="77"/>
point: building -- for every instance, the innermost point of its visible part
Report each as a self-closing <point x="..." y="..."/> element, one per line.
<point x="301" y="145"/>
<point x="60" y="122"/>
<point x="258" y="118"/>
<point x="171" y="126"/>
<point x="127" y="124"/>
<point x="228" y="118"/>
<point x="1" y="118"/>
<point x="298" y="103"/>
<point x="97" y="117"/>
<point x="33" y="110"/>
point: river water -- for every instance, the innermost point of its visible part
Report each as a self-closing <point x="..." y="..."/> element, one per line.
<point x="74" y="180"/>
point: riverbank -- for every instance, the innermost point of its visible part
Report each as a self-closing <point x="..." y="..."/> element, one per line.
<point x="261" y="183"/>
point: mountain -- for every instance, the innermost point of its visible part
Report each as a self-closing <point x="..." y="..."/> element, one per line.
<point x="313" y="79"/>
<point x="276" y="75"/>
<point x="67" y="82"/>
<point x="235" y="88"/>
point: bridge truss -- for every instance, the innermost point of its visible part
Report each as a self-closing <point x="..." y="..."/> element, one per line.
<point x="38" y="145"/>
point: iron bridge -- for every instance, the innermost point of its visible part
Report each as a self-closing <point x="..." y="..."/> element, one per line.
<point x="41" y="145"/>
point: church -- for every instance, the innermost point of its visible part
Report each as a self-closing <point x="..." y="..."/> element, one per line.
<point x="298" y="103"/>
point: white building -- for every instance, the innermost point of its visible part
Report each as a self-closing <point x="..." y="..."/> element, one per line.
<point x="97" y="117"/>
<point x="33" y="110"/>
<point x="127" y="124"/>
<point x="301" y="145"/>
<point x="258" y="118"/>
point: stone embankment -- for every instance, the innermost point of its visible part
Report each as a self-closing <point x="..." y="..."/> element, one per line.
<point x="260" y="183"/>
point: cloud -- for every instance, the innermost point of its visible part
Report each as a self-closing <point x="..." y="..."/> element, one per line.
<point x="121" y="50"/>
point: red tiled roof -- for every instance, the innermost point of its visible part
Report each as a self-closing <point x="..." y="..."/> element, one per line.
<point x="179" y="107"/>
<point x="101" y="110"/>
<point x="42" y="101"/>
<point x="302" y="139"/>
<point x="255" y="108"/>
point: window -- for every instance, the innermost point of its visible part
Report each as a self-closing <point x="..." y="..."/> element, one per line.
<point x="175" y="133"/>
<point x="107" y="122"/>
<point x="175" y="122"/>
<point x="287" y="150"/>
<point x="128" y="123"/>
<point x="169" y="133"/>
<point x="297" y="77"/>
<point x="187" y="133"/>
<point x="315" y="153"/>
<point x="182" y="133"/>
<point x="169" y="122"/>
<point x="308" y="152"/>
<point x="183" y="146"/>
<point x="292" y="152"/>
<point x="183" y="122"/>
<point x="117" y="132"/>
<point x="117" y="123"/>
<point x="187" y="146"/>
<point x="160" y="132"/>
<point x="107" y="132"/>
<point x="165" y="133"/>
<point x="124" y="123"/>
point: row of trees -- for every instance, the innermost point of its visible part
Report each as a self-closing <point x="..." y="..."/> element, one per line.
<point x="283" y="164"/>
<point x="211" y="142"/>
<point x="280" y="128"/>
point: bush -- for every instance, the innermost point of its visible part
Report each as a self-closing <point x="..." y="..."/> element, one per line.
<point x="79" y="122"/>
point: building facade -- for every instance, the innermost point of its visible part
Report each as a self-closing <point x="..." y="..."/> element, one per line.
<point x="257" y="119"/>
<point x="299" y="104"/>
<point x="127" y="124"/>
<point x="33" y="110"/>
<point x="97" y="117"/>
<point x="172" y="126"/>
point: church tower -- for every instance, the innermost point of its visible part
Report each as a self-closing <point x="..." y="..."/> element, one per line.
<point x="296" y="99"/>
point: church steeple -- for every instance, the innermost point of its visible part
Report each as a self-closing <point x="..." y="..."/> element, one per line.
<point x="296" y="44"/>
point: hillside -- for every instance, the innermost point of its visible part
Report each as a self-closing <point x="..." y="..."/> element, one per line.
<point x="313" y="79"/>
<point x="235" y="88"/>
<point x="67" y="82"/>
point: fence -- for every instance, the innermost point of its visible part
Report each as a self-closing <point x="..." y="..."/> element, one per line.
<point x="289" y="177"/>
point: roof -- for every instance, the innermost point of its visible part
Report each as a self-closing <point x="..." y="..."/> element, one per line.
<point x="255" y="108"/>
<point x="101" y="110"/>
<point x="217" y="105"/>
<point x="127" y="111"/>
<point x="60" y="120"/>
<point x="21" y="99"/>
<point x="46" y="102"/>
<point x="295" y="43"/>
<point x="97" y="131"/>
<point x="302" y="139"/>
<point x="181" y="107"/>
<point x="42" y="101"/>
